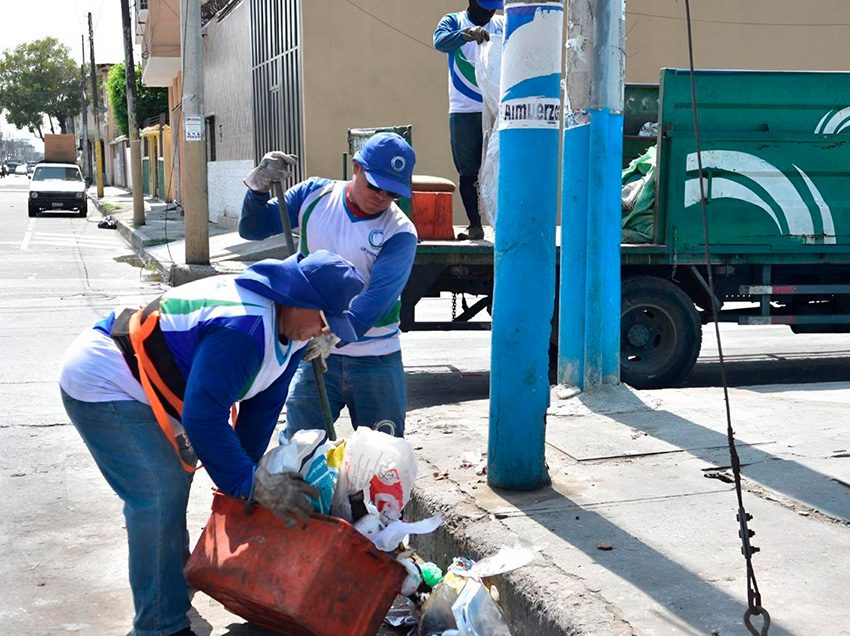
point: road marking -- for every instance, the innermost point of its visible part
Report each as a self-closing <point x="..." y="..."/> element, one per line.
<point x="65" y="239"/>
<point x="28" y="235"/>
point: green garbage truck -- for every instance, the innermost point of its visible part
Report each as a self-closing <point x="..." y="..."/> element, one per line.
<point x="776" y="159"/>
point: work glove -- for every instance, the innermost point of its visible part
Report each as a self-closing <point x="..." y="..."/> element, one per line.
<point x="275" y="166"/>
<point x="287" y="495"/>
<point x="476" y="34"/>
<point x="319" y="348"/>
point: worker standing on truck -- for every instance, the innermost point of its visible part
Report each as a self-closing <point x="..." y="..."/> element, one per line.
<point x="151" y="390"/>
<point x="458" y="35"/>
<point x="360" y="221"/>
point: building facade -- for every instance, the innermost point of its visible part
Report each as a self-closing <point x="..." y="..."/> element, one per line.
<point x="313" y="69"/>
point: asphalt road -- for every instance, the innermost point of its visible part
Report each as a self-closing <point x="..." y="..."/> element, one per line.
<point x="61" y="528"/>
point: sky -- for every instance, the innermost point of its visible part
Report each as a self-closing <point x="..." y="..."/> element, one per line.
<point x="26" y="20"/>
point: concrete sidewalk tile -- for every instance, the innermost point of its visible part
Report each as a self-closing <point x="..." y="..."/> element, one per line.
<point x="650" y="478"/>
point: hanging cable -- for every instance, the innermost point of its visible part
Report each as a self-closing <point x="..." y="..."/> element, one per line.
<point x="754" y="607"/>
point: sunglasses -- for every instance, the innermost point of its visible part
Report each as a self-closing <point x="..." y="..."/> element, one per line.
<point x="386" y="193"/>
<point x="326" y="327"/>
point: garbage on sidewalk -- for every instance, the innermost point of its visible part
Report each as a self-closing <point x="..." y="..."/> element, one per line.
<point x="464" y="602"/>
<point x="330" y="575"/>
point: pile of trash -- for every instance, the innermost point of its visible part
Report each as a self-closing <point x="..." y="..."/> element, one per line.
<point x="462" y="602"/>
<point x="638" y="198"/>
<point x="367" y="480"/>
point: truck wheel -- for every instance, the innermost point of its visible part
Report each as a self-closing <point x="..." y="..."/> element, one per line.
<point x="660" y="333"/>
<point x="32" y="212"/>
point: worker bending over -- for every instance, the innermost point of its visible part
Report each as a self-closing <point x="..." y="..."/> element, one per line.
<point x="151" y="391"/>
<point x="360" y="221"/>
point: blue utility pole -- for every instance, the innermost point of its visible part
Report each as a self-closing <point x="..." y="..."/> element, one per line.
<point x="589" y="334"/>
<point x="524" y="288"/>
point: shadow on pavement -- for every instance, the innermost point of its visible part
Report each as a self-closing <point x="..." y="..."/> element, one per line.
<point x="684" y="594"/>
<point x="781" y="475"/>
<point x="777" y="368"/>
<point x="443" y="384"/>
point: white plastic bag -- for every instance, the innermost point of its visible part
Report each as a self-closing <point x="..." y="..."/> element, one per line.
<point x="381" y="466"/>
<point x="488" y="70"/>
<point x="307" y="453"/>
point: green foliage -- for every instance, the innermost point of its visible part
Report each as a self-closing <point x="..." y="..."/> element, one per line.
<point x="39" y="79"/>
<point x="150" y="102"/>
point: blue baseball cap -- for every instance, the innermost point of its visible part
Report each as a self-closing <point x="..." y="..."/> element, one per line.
<point x="388" y="161"/>
<point x="322" y="280"/>
<point x="491" y="5"/>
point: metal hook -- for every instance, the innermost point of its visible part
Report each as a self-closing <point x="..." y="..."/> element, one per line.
<point x="757" y="611"/>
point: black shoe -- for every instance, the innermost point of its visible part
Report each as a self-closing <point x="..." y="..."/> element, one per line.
<point x="473" y="233"/>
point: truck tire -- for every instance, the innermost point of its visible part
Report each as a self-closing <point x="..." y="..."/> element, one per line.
<point x="660" y="333"/>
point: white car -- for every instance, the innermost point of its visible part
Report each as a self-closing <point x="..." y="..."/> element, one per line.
<point x="21" y="169"/>
<point x="57" y="186"/>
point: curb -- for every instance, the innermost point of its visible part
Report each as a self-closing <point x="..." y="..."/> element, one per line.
<point x="95" y="201"/>
<point x="539" y="599"/>
<point x="172" y="274"/>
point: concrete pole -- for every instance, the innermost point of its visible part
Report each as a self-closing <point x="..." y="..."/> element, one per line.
<point x="589" y="332"/>
<point x="571" y="306"/>
<point x="96" y="109"/>
<point x="524" y="288"/>
<point x="85" y="132"/>
<point x="195" y="201"/>
<point x="608" y="73"/>
<point x="132" y="124"/>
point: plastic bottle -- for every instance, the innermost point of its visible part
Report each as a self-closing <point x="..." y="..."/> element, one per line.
<point x="437" y="615"/>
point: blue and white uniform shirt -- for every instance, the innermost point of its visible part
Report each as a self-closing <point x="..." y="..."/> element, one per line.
<point x="464" y="94"/>
<point x="327" y="222"/>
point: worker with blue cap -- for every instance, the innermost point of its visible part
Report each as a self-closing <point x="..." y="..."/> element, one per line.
<point x="151" y="391"/>
<point x="360" y="221"/>
<point x="458" y="35"/>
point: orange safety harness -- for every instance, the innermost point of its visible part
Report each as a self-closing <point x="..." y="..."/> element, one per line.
<point x="149" y="377"/>
<point x="132" y="332"/>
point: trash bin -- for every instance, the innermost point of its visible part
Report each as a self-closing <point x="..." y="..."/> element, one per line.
<point x="321" y="578"/>
<point x="431" y="207"/>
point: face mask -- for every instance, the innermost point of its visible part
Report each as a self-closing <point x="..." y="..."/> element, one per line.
<point x="477" y="15"/>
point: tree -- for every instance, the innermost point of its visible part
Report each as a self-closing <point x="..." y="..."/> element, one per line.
<point x="37" y="80"/>
<point x="150" y="102"/>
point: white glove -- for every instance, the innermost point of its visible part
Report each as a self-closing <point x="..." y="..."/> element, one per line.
<point x="275" y="166"/>
<point x="319" y="348"/>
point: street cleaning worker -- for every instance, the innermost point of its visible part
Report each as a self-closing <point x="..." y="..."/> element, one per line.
<point x="151" y="390"/>
<point x="458" y="35"/>
<point x="360" y="221"/>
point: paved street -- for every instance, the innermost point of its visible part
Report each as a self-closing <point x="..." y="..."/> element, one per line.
<point x="61" y="533"/>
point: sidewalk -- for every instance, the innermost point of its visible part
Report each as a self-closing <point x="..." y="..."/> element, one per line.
<point x="647" y="474"/>
<point x="637" y="533"/>
<point x="161" y="242"/>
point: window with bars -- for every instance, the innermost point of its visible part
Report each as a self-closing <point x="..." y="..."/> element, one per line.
<point x="277" y="80"/>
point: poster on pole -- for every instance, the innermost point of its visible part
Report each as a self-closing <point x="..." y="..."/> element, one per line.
<point x="194" y="128"/>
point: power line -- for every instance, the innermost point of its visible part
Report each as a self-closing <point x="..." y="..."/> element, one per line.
<point x="740" y="23"/>
<point x="387" y="24"/>
<point x="99" y="12"/>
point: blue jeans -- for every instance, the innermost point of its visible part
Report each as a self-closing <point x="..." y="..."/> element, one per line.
<point x="372" y="387"/>
<point x="140" y="465"/>
<point x="467" y="141"/>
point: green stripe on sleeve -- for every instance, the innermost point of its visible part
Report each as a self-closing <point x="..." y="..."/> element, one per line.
<point x="304" y="249"/>
<point x="392" y="316"/>
<point x="177" y="306"/>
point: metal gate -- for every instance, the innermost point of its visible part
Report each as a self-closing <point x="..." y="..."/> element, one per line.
<point x="277" y="78"/>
